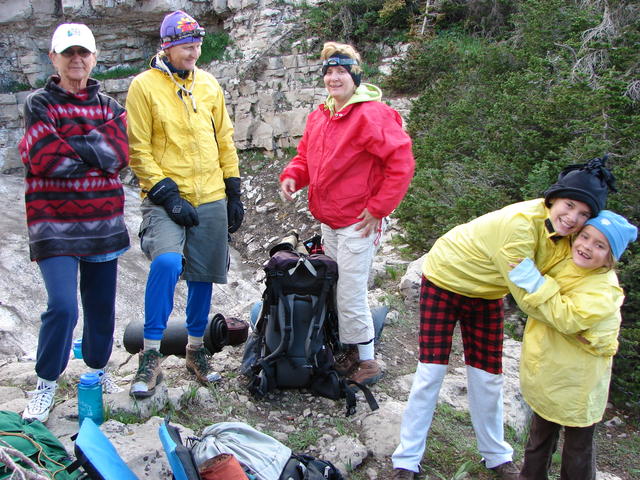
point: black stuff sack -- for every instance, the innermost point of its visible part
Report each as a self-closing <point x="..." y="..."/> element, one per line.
<point x="307" y="467"/>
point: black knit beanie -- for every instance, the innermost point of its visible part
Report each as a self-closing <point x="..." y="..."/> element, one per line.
<point x="337" y="59"/>
<point x="589" y="183"/>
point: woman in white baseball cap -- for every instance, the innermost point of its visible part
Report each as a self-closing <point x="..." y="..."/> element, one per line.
<point x="74" y="146"/>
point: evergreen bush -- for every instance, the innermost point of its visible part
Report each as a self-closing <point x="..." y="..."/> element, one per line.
<point x="501" y="110"/>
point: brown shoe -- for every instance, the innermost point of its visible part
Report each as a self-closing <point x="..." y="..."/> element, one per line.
<point x="402" y="474"/>
<point x="368" y="372"/>
<point x="347" y="361"/>
<point x="148" y="375"/>
<point x="198" y="364"/>
<point x="506" y="471"/>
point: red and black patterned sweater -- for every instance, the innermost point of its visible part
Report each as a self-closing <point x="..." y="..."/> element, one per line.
<point x="73" y="149"/>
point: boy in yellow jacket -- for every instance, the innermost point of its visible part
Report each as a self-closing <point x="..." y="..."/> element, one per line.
<point x="568" y="346"/>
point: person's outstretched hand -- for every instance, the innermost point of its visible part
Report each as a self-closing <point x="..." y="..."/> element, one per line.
<point x="287" y="188"/>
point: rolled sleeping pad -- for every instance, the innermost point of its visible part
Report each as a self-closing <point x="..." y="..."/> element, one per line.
<point x="379" y="315"/>
<point x="174" y="339"/>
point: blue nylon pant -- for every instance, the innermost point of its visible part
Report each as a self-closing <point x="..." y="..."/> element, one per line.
<point x="158" y="302"/>
<point x="97" y="293"/>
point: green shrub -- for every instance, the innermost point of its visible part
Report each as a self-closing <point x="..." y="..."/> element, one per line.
<point x="213" y="47"/>
<point x="496" y="119"/>
<point x="361" y="22"/>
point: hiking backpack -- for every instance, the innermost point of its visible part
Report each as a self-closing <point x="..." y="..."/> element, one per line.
<point x="296" y="333"/>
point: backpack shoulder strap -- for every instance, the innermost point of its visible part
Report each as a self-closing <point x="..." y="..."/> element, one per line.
<point x="350" y="394"/>
<point x="313" y="342"/>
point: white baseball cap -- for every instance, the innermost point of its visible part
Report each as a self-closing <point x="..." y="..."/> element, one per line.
<point x="72" y="34"/>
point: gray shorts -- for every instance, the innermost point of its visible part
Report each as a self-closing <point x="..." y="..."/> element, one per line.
<point x="204" y="249"/>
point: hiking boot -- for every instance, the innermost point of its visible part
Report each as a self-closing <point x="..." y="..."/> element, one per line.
<point x="368" y="372"/>
<point x="506" y="471"/>
<point x="40" y="403"/>
<point x="109" y="385"/>
<point x="402" y="474"/>
<point x="198" y="364"/>
<point x="148" y="375"/>
<point x="347" y="361"/>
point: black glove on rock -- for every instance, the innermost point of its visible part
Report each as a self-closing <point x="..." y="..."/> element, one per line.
<point x="235" y="210"/>
<point x="166" y="194"/>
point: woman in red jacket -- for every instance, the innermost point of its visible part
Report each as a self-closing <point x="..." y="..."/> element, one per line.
<point x="357" y="161"/>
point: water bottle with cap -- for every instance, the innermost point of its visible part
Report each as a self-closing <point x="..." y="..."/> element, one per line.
<point x="90" y="398"/>
<point x="77" y="348"/>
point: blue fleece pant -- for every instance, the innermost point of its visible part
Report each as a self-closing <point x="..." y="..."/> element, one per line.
<point x="158" y="302"/>
<point x="97" y="293"/>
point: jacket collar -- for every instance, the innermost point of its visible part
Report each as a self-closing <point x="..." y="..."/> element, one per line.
<point x="87" y="93"/>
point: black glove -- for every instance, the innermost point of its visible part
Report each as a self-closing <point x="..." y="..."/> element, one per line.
<point x="235" y="210"/>
<point x="166" y="194"/>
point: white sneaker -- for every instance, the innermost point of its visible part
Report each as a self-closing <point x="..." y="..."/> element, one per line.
<point x="109" y="385"/>
<point x="40" y="403"/>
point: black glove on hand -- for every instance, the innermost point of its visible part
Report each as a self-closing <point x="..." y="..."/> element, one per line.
<point x="235" y="210"/>
<point x="166" y="194"/>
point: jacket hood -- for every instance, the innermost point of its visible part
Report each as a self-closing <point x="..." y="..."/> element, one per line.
<point x="366" y="92"/>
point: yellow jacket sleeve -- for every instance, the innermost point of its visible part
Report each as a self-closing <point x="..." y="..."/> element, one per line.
<point x="574" y="300"/>
<point x="140" y="129"/>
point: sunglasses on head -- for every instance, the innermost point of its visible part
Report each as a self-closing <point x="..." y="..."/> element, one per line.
<point x="196" y="32"/>
<point x="71" y="52"/>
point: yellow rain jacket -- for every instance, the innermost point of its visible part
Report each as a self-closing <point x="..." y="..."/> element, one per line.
<point x="563" y="379"/>
<point x="188" y="138"/>
<point x="473" y="259"/>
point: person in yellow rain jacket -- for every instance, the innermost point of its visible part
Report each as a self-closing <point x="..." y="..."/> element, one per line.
<point x="182" y="151"/>
<point x="568" y="346"/>
<point x="465" y="276"/>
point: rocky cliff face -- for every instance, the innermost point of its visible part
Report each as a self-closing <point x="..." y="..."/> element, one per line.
<point x="270" y="77"/>
<point x="271" y="84"/>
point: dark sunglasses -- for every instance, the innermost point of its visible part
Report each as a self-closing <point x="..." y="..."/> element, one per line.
<point x="71" y="52"/>
<point x="196" y="32"/>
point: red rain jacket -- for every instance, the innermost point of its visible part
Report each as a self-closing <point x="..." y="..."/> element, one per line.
<point x="358" y="158"/>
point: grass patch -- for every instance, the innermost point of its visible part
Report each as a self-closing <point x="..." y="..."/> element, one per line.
<point x="128" y="418"/>
<point x="14" y="87"/>
<point x="622" y="448"/>
<point x="343" y="427"/>
<point x="305" y="436"/>
<point x="451" y="448"/>
<point x="118" y="72"/>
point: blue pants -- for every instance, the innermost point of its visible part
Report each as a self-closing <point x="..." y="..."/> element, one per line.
<point x="98" y="295"/>
<point x="158" y="298"/>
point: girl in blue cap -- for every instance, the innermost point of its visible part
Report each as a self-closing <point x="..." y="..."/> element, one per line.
<point x="568" y="346"/>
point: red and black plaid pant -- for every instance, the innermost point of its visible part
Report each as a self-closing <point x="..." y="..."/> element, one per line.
<point x="481" y="323"/>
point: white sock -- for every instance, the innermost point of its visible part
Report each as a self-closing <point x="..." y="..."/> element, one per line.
<point x="366" y="352"/>
<point x="151" y="344"/>
<point x="42" y="383"/>
<point x="194" y="342"/>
